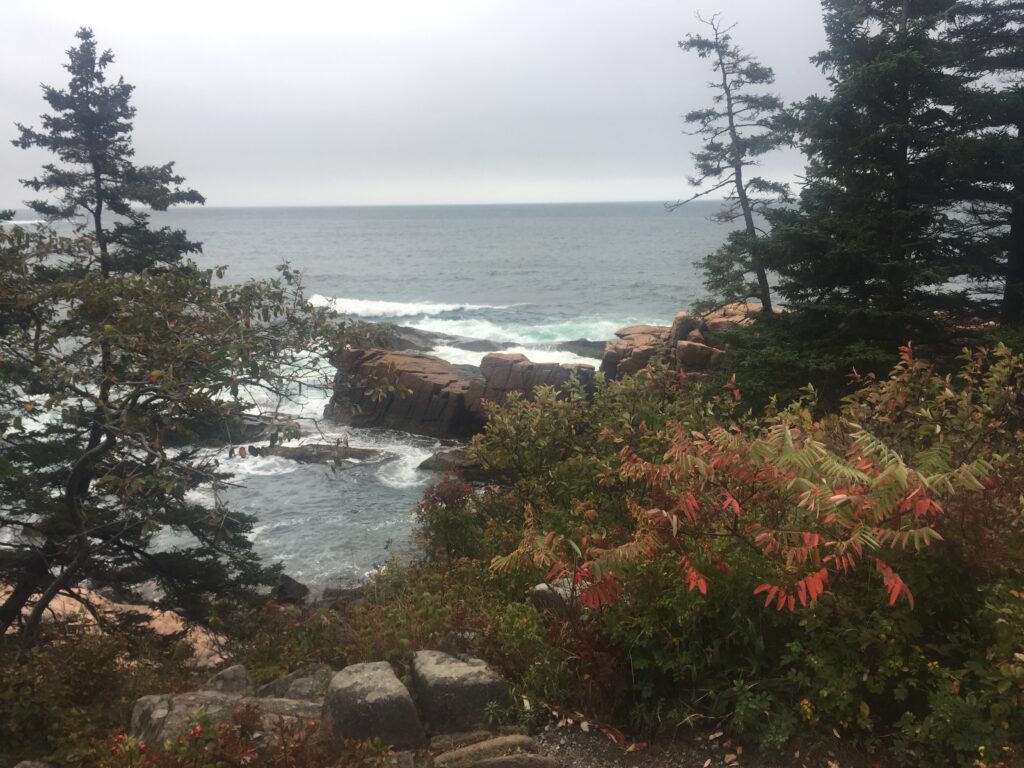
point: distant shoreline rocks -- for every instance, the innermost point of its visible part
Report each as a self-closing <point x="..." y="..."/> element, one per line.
<point x="407" y="389"/>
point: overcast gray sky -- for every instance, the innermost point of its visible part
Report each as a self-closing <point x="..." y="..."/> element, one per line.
<point x="365" y="102"/>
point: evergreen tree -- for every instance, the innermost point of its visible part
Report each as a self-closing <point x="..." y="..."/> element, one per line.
<point x="874" y="230"/>
<point x="184" y="353"/>
<point x="112" y="370"/>
<point x="738" y="128"/>
<point x="90" y="132"/>
<point x="987" y="40"/>
<point x="874" y="254"/>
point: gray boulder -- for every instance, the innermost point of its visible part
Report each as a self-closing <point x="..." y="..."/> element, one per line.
<point x="290" y="591"/>
<point x="455" y="460"/>
<point x="558" y="597"/>
<point x="366" y="701"/>
<point x="158" y="719"/>
<point x="309" y="683"/>
<point x="233" y="681"/>
<point x="453" y="693"/>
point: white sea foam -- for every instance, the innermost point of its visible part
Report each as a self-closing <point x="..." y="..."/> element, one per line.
<point x="595" y="329"/>
<point x="536" y="355"/>
<point x="257" y="466"/>
<point x="376" y="308"/>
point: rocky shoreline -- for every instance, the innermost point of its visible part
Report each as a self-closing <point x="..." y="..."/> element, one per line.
<point x="405" y="388"/>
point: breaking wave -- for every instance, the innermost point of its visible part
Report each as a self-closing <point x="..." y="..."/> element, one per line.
<point x="372" y="308"/>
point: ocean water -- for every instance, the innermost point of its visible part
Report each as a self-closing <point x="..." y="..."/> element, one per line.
<point x="528" y="275"/>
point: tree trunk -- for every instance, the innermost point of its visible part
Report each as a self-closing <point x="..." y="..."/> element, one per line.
<point x="31" y="628"/>
<point x="741" y="189"/>
<point x="33" y="573"/>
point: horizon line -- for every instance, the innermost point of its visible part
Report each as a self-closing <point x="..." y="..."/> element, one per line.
<point x="413" y="205"/>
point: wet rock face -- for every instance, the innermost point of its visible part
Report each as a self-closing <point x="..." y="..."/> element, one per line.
<point x="440" y="399"/>
<point x="453" y="693"/>
<point x="367" y="701"/>
<point x="508" y="372"/>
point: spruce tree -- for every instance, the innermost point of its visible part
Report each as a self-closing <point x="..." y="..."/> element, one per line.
<point x="97" y="184"/>
<point x="737" y="129"/>
<point x="987" y="45"/>
<point x="874" y="228"/>
<point x="117" y="361"/>
<point x="874" y="253"/>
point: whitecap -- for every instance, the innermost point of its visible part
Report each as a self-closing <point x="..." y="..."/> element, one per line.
<point x="258" y="466"/>
<point x="379" y="308"/>
<point x="595" y="329"/>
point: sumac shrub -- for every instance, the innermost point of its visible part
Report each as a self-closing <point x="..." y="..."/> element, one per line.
<point x="855" y="573"/>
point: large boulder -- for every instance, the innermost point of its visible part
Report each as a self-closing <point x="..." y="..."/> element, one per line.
<point x="435" y="397"/>
<point x="507" y="372"/>
<point x="559" y="597"/>
<point x="366" y="701"/>
<point x="290" y="591"/>
<point x="729" y="318"/>
<point x="455" y="461"/>
<point x="633" y="348"/>
<point x="453" y="693"/>
<point x="694" y="356"/>
<point x="158" y="719"/>
<point x="682" y="326"/>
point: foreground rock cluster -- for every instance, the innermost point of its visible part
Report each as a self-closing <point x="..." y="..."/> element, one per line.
<point x="426" y="395"/>
<point x="440" y="720"/>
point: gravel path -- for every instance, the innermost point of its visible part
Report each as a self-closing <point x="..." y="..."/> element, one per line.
<point x="575" y="749"/>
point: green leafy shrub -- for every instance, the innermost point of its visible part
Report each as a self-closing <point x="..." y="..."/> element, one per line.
<point x="449" y="521"/>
